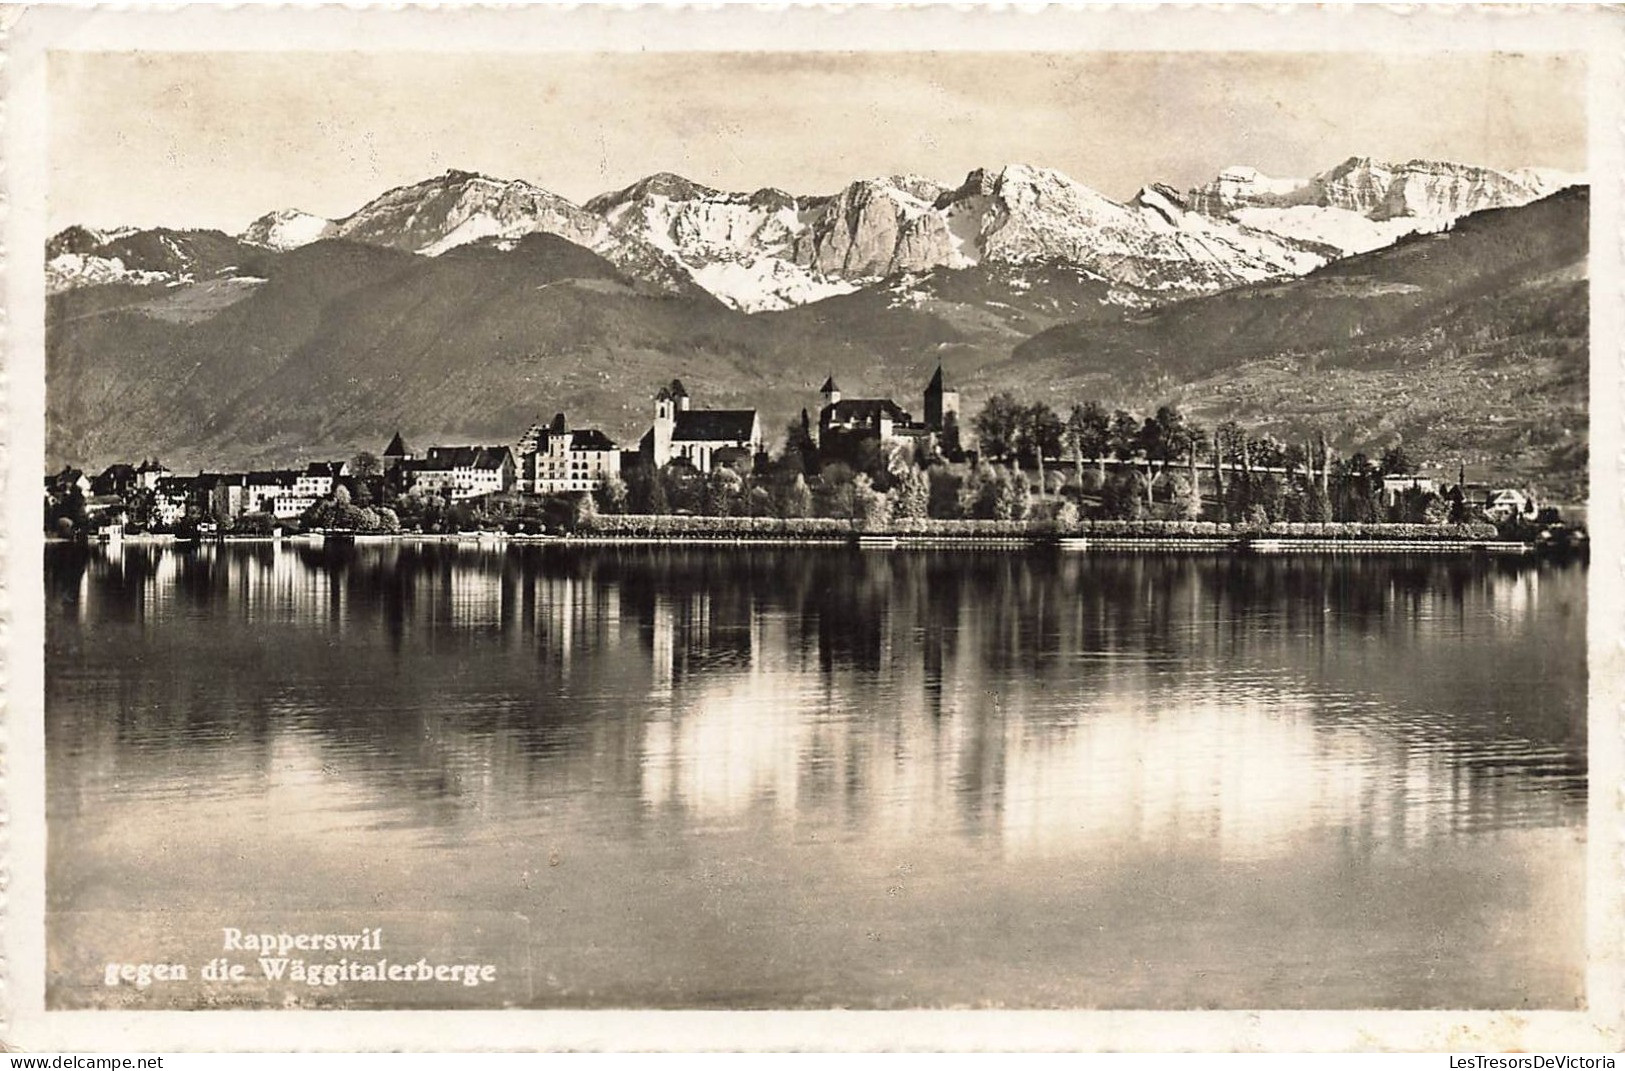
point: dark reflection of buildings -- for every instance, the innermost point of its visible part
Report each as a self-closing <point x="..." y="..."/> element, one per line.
<point x="1048" y="701"/>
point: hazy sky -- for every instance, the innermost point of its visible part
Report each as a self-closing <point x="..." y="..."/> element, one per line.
<point x="217" y="139"/>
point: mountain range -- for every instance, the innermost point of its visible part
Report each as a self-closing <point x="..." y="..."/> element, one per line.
<point x="770" y="250"/>
<point x="464" y="306"/>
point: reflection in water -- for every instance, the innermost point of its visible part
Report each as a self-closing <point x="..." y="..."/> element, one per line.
<point x="1142" y="755"/>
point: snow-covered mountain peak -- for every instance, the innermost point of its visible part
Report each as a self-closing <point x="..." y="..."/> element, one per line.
<point x="1363" y="203"/>
<point x="287" y="228"/>
<point x="458" y="207"/>
<point x="661" y="184"/>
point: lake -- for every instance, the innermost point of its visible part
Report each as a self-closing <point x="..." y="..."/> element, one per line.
<point x="746" y="777"/>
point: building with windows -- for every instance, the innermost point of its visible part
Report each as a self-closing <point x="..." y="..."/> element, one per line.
<point x="554" y="458"/>
<point x="171" y="496"/>
<point x="459" y="472"/>
<point x="319" y="477"/>
<point x="148" y="473"/>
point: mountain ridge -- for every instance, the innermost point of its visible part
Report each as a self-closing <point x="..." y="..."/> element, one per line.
<point x="769" y="250"/>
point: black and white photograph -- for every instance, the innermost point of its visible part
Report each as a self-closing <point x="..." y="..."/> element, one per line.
<point x="802" y="528"/>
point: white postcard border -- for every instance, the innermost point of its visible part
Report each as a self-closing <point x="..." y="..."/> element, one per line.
<point x="30" y="34"/>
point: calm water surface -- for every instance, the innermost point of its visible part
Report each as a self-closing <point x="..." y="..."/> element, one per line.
<point x="810" y="778"/>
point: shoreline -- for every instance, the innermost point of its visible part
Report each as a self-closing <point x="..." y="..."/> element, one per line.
<point x="1249" y="544"/>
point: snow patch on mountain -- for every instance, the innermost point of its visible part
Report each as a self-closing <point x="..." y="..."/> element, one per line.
<point x="1362" y="204"/>
<point x="1338" y="228"/>
<point x="288" y="228"/>
<point x="68" y="270"/>
<point x="459" y="207"/>
<point x="1151" y="244"/>
<point x="766" y="284"/>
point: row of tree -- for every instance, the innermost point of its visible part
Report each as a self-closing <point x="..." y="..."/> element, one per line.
<point x="1250" y="477"/>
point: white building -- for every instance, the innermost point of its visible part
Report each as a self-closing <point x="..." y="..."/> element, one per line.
<point x="553" y="458"/>
<point x="459" y="472"/>
<point x="702" y="437"/>
<point x="1508" y="502"/>
<point x="318" y="478"/>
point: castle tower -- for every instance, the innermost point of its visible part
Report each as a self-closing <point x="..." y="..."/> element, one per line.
<point x="940" y="401"/>
<point x="830" y="391"/>
<point x="396" y="452"/>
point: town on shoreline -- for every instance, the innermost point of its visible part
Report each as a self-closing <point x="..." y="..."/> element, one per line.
<point x="859" y="467"/>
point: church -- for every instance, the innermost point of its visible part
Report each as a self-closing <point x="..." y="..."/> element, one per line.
<point x="704" y="438"/>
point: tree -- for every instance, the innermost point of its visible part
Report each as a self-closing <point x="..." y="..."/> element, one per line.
<point x="899" y="458"/>
<point x="1121" y="497"/>
<point x="758" y="501"/>
<point x="1187" y="498"/>
<point x="834" y="493"/>
<point x="1396" y="462"/>
<point x="998" y="426"/>
<point x="1012" y="496"/>
<point x="364" y="469"/>
<point x="868" y="458"/>
<point x="1229" y="446"/>
<point x="946" y="487"/>
<point x="684" y="486"/>
<point x="1089" y="432"/>
<point x="71" y="508"/>
<point x="1040" y="434"/>
<point x="1124" y="434"/>
<point x="644" y="490"/>
<point x="979" y="492"/>
<point x="870" y="507"/>
<point x="659" y="501"/>
<point x="800" y="451"/>
<point x="794" y="499"/>
<point x="723" y="490"/>
<point x="1164" y="438"/>
<point x="612" y="495"/>
<point x="365" y="465"/>
<point x="1268" y="452"/>
<point x="1358" y="493"/>
<point x="911" y="497"/>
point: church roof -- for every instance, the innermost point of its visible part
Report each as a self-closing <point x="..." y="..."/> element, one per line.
<point x="396" y="447"/>
<point x="936" y="383"/>
<point x="714" y="425"/>
<point x="829" y="386"/>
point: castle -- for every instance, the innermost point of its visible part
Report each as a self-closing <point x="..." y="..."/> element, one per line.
<point x="845" y="423"/>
